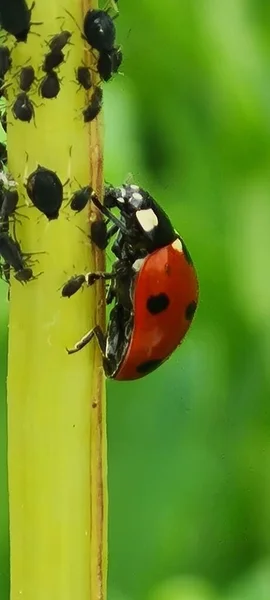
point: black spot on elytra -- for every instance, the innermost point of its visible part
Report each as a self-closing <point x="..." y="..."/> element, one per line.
<point x="186" y="252"/>
<point x="156" y="304"/>
<point x="149" y="366"/>
<point x="190" y="310"/>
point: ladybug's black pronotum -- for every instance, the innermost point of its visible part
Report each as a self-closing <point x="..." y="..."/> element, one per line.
<point x="99" y="30"/>
<point x="22" y="108"/>
<point x="49" y="86"/>
<point x="94" y="107"/>
<point x="45" y="189"/>
<point x="83" y="77"/>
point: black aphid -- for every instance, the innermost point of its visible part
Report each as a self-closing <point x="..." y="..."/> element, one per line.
<point x="22" y="108"/>
<point x="16" y="18"/>
<point x="45" y="190"/>
<point x="73" y="285"/>
<point x="50" y="85"/>
<point x="25" y="274"/>
<point x="84" y="78"/>
<point x="27" y="77"/>
<point x="5" y="61"/>
<point x="5" y="272"/>
<point x="11" y="251"/>
<point x="80" y="198"/>
<point x="98" y="234"/>
<point x="109" y="62"/>
<point x="9" y="204"/>
<point x="99" y="30"/>
<point x="3" y="121"/>
<point x="52" y="60"/>
<point x="3" y="153"/>
<point x="91" y="111"/>
<point x="59" y="41"/>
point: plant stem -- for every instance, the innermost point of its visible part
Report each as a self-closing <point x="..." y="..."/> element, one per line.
<point x="56" y="402"/>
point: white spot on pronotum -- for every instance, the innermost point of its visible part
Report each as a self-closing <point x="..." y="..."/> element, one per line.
<point x="137" y="196"/>
<point x="176" y="245"/>
<point x="120" y="199"/>
<point x="134" y="187"/>
<point x="147" y="219"/>
<point x="138" y="264"/>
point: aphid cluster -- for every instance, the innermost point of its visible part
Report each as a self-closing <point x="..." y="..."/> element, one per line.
<point x="100" y="33"/>
<point x="50" y="83"/>
<point x="11" y="255"/>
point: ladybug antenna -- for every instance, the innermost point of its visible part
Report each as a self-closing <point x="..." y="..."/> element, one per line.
<point x="106" y="212"/>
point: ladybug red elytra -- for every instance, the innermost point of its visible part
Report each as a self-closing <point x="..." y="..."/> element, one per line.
<point x="153" y="285"/>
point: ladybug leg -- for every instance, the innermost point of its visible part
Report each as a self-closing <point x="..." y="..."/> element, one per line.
<point x="95" y="332"/>
<point x="107" y="213"/>
<point x="111" y="294"/>
<point x="91" y="278"/>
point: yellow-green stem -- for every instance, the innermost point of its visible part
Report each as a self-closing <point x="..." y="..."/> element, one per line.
<point x="56" y="402"/>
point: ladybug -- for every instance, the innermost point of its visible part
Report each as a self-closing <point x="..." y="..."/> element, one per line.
<point x="154" y="287"/>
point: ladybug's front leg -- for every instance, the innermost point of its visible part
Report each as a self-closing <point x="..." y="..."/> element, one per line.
<point x="76" y="282"/>
<point x="101" y="339"/>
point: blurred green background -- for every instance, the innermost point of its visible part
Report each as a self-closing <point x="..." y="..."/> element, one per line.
<point x="189" y="446"/>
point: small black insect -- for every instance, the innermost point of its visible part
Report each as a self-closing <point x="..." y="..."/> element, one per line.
<point x="45" y="190"/>
<point x="5" y="60"/>
<point x="50" y="85"/>
<point x="25" y="274"/>
<point x="15" y="18"/>
<point x="80" y="198"/>
<point x="109" y="62"/>
<point x="11" y="251"/>
<point x="3" y="153"/>
<point x="99" y="30"/>
<point x="3" y="120"/>
<point x="52" y="60"/>
<point x="84" y="78"/>
<point x="27" y="77"/>
<point x="98" y="234"/>
<point x="3" y="88"/>
<point x="94" y="107"/>
<point x="22" y="108"/>
<point x="59" y="41"/>
<point x="9" y="204"/>
<point x="5" y="272"/>
<point x="73" y="285"/>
